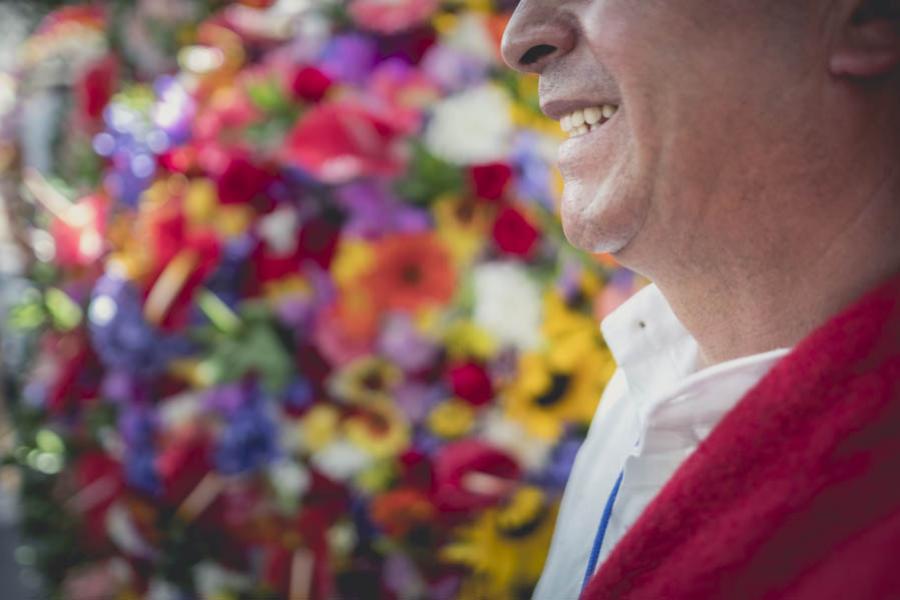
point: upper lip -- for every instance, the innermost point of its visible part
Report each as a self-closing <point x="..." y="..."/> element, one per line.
<point x="557" y="109"/>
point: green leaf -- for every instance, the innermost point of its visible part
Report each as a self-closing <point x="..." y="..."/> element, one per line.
<point x="65" y="314"/>
<point x="429" y="177"/>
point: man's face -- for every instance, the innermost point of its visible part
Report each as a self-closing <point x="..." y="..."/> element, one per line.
<point x="709" y="95"/>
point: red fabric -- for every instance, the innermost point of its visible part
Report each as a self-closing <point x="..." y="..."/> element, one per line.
<point x="796" y="494"/>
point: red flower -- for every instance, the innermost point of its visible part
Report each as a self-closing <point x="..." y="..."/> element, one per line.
<point x="318" y="241"/>
<point x="514" y="234"/>
<point x="96" y="86"/>
<point x="310" y="84"/>
<point x="489" y="181"/>
<point x="76" y="370"/>
<point x="416" y="470"/>
<point x="470" y="381"/>
<point x="242" y="181"/>
<point x="472" y="475"/>
<point x="183" y="464"/>
<point x="78" y="232"/>
<point x="170" y="238"/>
<point x="340" y="141"/>
<point x="98" y="483"/>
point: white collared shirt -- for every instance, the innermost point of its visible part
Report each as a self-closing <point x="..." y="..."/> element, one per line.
<point x="654" y="413"/>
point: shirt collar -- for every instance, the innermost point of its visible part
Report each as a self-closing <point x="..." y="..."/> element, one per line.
<point x="659" y="358"/>
<point x="649" y="343"/>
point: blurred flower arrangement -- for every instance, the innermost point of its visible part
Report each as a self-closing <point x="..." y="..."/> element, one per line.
<point x="309" y="326"/>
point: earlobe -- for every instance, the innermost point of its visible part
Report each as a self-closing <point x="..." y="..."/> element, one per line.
<point x="870" y="43"/>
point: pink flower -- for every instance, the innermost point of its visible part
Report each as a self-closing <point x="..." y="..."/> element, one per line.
<point x="391" y="16"/>
<point x="340" y="141"/>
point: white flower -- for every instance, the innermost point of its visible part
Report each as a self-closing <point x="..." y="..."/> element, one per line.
<point x="160" y="589"/>
<point x="341" y="460"/>
<point x="124" y="533"/>
<point x="510" y="437"/>
<point x="470" y="35"/>
<point x="179" y="410"/>
<point x="290" y="479"/>
<point x="342" y="538"/>
<point x="471" y="127"/>
<point x="279" y="230"/>
<point x="508" y="304"/>
<point x="212" y="580"/>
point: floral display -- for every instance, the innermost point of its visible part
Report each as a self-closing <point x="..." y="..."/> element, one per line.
<point x="308" y="325"/>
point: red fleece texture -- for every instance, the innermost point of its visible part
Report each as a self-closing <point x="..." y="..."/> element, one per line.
<point x="796" y="494"/>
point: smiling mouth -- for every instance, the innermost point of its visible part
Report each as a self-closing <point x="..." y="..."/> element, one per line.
<point x="585" y="120"/>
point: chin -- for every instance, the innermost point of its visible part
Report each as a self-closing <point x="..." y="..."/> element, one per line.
<point x="600" y="224"/>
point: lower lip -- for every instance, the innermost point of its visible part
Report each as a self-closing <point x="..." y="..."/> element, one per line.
<point x="580" y="149"/>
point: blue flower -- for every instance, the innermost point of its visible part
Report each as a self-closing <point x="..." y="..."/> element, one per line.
<point x="249" y="440"/>
<point x="123" y="339"/>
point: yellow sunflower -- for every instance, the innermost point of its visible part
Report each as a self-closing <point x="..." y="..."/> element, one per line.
<point x="506" y="547"/>
<point x="365" y="381"/>
<point x="463" y="225"/>
<point x="380" y="430"/>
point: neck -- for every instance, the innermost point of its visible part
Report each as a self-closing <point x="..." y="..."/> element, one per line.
<point x="775" y="294"/>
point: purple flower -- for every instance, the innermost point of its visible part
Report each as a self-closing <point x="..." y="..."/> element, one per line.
<point x="299" y="394"/>
<point x="373" y="211"/>
<point x="225" y="399"/>
<point x="561" y="460"/>
<point x="131" y="142"/>
<point x="174" y="111"/>
<point x="137" y="426"/>
<point x="349" y="58"/>
<point x="416" y="399"/>
<point x="533" y="174"/>
<point x="401" y="344"/>
<point x="451" y="69"/>
<point x="123" y="339"/>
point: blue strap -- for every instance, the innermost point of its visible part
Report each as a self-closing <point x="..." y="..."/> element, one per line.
<point x="601" y="532"/>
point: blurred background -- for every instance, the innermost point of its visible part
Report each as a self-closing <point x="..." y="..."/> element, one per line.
<point x="286" y="310"/>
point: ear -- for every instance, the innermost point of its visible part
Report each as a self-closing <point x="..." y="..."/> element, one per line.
<point x="869" y="43"/>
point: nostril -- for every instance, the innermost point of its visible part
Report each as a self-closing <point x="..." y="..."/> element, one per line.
<point x="536" y="53"/>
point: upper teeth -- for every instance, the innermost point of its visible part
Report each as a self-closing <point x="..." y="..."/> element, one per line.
<point x="583" y="120"/>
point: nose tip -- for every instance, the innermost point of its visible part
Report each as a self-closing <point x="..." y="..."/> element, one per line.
<point x="535" y="36"/>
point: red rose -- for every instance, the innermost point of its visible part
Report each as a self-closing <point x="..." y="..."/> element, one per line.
<point x="310" y="84"/>
<point x="489" y="181"/>
<point x="514" y="233"/>
<point x="470" y="381"/>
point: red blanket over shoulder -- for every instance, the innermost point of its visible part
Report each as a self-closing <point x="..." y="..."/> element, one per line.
<point x="796" y="494"/>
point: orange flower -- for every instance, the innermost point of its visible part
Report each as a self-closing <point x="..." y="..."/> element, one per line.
<point x="411" y="271"/>
<point x="400" y="511"/>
